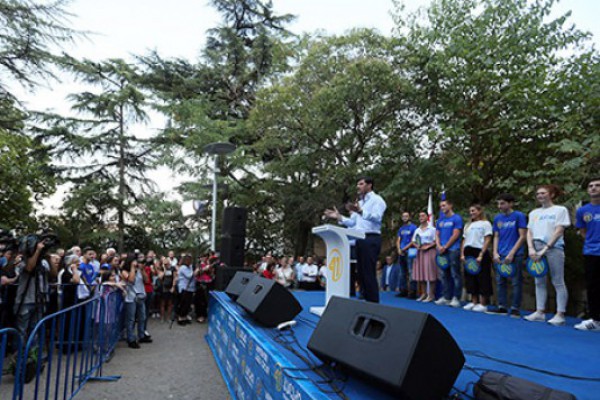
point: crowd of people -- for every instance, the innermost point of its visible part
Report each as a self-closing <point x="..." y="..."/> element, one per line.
<point x="35" y="283"/>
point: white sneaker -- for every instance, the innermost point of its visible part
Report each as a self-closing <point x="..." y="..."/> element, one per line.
<point x="537" y="316"/>
<point x="454" y="303"/>
<point x="423" y="297"/>
<point x="588" y="325"/>
<point x="441" y="301"/>
<point x="480" y="308"/>
<point x="469" y="306"/>
<point x="557" y="320"/>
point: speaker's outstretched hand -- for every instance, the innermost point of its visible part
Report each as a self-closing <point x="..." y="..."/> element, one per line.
<point x="332" y="213"/>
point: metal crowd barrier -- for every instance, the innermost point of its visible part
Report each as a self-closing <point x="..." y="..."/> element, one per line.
<point x="68" y="348"/>
<point x="11" y="351"/>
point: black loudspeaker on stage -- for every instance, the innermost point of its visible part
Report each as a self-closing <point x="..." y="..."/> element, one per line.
<point x="238" y="283"/>
<point x="233" y="236"/>
<point x="224" y="275"/>
<point x="268" y="302"/>
<point x="409" y="352"/>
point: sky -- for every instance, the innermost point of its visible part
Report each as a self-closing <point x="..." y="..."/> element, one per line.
<point x="177" y="28"/>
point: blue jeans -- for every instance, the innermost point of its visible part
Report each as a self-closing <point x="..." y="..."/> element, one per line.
<point x="135" y="309"/>
<point x="517" y="284"/>
<point x="452" y="277"/>
<point x="406" y="264"/>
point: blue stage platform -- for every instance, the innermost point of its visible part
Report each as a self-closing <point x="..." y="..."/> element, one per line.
<point x="256" y="363"/>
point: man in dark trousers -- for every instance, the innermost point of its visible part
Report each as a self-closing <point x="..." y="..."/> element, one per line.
<point x="366" y="215"/>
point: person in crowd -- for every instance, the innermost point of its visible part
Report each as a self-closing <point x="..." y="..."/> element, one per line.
<point x="269" y="271"/>
<point x="186" y="286"/>
<point x="322" y="277"/>
<point x="425" y="270"/>
<point x="298" y="270"/>
<point x="545" y="238"/>
<point x="366" y="215"/>
<point x="284" y="275"/>
<point x="204" y="284"/>
<point x="172" y="259"/>
<point x="588" y="223"/>
<point x="407" y="286"/>
<point x="447" y="240"/>
<point x="310" y="272"/>
<point x="89" y="275"/>
<point x="166" y="279"/>
<point x="390" y="275"/>
<point x="510" y="231"/>
<point x="135" y="302"/>
<point x="69" y="281"/>
<point x="8" y="290"/>
<point x="52" y="306"/>
<point x="477" y="240"/>
<point x="149" y="285"/>
<point x="33" y="283"/>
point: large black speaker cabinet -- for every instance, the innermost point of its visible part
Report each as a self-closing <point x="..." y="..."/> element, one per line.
<point x="224" y="275"/>
<point x="238" y="282"/>
<point x="268" y="302"/>
<point x="232" y="250"/>
<point x="234" y="221"/>
<point x="409" y="352"/>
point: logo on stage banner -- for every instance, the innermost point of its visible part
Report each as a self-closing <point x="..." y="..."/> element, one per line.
<point x="278" y="376"/>
<point x="335" y="264"/>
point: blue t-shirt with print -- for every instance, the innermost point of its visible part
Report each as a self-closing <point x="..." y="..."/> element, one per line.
<point x="87" y="272"/>
<point x="507" y="227"/>
<point x="588" y="217"/>
<point x="405" y="233"/>
<point x="446" y="226"/>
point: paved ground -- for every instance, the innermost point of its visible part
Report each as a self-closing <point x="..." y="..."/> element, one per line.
<point x="177" y="365"/>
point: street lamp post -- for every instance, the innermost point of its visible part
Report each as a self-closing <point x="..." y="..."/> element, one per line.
<point x="216" y="149"/>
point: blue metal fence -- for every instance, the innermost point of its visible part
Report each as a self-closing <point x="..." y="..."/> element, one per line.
<point x="68" y="348"/>
<point x="10" y="339"/>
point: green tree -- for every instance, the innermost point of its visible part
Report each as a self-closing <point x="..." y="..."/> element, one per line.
<point x="25" y="174"/>
<point x="30" y="33"/>
<point x="334" y="118"/>
<point x="495" y="80"/>
<point x="102" y="152"/>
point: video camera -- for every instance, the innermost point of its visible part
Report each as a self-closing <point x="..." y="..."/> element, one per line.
<point x="28" y="243"/>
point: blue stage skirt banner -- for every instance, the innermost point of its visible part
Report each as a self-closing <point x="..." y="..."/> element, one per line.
<point x="251" y="367"/>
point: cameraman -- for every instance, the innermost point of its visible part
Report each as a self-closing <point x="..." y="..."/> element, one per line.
<point x="33" y="288"/>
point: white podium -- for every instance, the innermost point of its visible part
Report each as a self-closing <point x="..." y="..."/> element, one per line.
<point x="337" y="244"/>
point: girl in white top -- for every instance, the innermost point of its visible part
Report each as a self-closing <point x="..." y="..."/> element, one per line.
<point x="478" y="236"/>
<point x="425" y="270"/>
<point x="545" y="238"/>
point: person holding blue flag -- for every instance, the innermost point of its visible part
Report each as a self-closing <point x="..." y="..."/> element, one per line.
<point x="475" y="254"/>
<point x="545" y="238"/>
<point x="449" y="227"/>
<point x="588" y="223"/>
<point x="510" y="230"/>
<point x="408" y="287"/>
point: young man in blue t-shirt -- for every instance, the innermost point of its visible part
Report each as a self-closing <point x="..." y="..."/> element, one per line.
<point x="588" y="222"/>
<point x="510" y="234"/>
<point x="447" y="239"/>
<point x="403" y="243"/>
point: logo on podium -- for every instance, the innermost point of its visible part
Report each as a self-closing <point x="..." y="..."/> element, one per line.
<point x="335" y="264"/>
